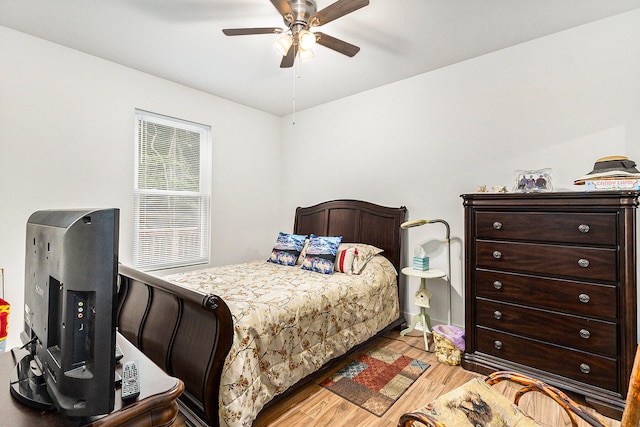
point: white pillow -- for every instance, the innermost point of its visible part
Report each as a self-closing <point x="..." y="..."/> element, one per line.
<point x="344" y="259"/>
<point x="362" y="255"/>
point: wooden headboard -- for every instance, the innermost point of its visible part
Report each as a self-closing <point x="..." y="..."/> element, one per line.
<point x="357" y="222"/>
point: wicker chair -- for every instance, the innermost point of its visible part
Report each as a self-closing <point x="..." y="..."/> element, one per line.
<point x="477" y="403"/>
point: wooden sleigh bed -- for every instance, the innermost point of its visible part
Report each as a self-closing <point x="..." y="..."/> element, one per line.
<point x="189" y="333"/>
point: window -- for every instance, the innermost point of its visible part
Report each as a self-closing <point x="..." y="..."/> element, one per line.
<point x="171" y="192"/>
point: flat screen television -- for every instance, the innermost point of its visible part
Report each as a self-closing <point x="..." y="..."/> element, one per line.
<point x="71" y="269"/>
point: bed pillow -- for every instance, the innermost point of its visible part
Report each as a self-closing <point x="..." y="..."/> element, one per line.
<point x="303" y="252"/>
<point x="287" y="248"/>
<point x="344" y="258"/>
<point x="365" y="254"/>
<point x="321" y="253"/>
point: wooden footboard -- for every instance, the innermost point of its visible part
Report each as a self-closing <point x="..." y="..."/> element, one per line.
<point x="186" y="333"/>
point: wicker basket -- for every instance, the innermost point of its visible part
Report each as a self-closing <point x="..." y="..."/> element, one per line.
<point x="446" y="351"/>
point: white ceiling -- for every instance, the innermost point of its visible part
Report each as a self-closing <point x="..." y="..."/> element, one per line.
<point x="182" y="41"/>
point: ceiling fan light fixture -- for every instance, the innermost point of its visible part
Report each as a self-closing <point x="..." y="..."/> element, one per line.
<point x="283" y="44"/>
<point x="299" y="16"/>
<point x="304" y="55"/>
<point x="306" y="39"/>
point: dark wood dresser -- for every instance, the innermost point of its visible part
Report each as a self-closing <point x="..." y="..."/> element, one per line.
<point x="550" y="289"/>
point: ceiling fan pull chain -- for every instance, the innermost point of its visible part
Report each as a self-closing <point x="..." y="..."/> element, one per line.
<point x="293" y="114"/>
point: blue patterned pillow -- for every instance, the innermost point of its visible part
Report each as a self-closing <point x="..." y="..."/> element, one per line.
<point x="287" y="248"/>
<point x="321" y="254"/>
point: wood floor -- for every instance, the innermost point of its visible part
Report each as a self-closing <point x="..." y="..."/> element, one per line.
<point x="315" y="406"/>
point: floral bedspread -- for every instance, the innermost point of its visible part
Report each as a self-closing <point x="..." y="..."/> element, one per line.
<point x="288" y="322"/>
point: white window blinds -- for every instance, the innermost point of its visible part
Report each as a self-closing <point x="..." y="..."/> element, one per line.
<point x="171" y="192"/>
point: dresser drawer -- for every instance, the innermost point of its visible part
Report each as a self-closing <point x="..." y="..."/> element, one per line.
<point x="579" y="228"/>
<point x="553" y="260"/>
<point x="570" y="331"/>
<point x="598" y="371"/>
<point x="579" y="298"/>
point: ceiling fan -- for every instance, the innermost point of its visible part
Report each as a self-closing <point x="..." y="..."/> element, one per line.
<point x="299" y="17"/>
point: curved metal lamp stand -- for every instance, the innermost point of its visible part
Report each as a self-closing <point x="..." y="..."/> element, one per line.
<point x="420" y="222"/>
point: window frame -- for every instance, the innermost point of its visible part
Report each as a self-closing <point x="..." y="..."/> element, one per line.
<point x="140" y="261"/>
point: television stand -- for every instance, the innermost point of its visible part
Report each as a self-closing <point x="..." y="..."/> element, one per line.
<point x="156" y="406"/>
<point x="27" y="384"/>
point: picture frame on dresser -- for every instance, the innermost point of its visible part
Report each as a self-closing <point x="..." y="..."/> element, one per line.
<point x="528" y="181"/>
<point x="557" y="302"/>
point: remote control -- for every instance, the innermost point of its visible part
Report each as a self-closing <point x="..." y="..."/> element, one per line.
<point x="130" y="380"/>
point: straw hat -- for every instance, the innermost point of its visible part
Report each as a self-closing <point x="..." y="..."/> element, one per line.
<point x="611" y="167"/>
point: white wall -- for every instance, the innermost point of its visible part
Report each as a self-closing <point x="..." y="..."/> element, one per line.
<point x="558" y="102"/>
<point x="67" y="141"/>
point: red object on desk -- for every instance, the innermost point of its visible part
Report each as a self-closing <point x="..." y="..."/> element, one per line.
<point x="4" y="322"/>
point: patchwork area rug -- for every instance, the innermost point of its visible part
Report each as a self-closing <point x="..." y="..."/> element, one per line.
<point x="376" y="379"/>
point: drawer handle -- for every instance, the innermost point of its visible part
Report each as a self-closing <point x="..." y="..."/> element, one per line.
<point x="584" y="298"/>
<point x="497" y="254"/>
<point x="497" y="284"/>
<point x="497" y="314"/>
<point x="584" y="368"/>
<point x="584" y="333"/>
<point x="584" y="263"/>
<point x="584" y="228"/>
<point x="497" y="225"/>
<point x="498" y="345"/>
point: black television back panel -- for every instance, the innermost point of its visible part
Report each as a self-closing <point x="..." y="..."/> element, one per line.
<point x="70" y="307"/>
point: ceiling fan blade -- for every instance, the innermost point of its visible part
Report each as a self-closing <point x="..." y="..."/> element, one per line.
<point x="284" y="8"/>
<point x="335" y="11"/>
<point x="336" y="44"/>
<point x="248" y="31"/>
<point x="288" y="60"/>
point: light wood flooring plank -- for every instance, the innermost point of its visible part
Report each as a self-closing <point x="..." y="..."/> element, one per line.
<point x="313" y="405"/>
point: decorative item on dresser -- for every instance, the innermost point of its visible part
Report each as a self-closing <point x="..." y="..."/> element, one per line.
<point x="550" y="289"/>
